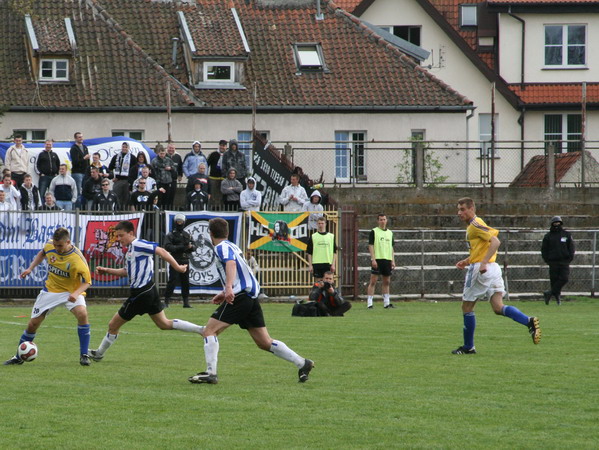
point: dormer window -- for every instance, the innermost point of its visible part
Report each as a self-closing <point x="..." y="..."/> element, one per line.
<point x="54" y="70"/>
<point x="309" y="57"/>
<point x="468" y="16"/>
<point x="219" y="72"/>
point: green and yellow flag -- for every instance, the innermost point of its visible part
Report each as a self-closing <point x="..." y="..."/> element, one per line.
<point x="279" y="231"/>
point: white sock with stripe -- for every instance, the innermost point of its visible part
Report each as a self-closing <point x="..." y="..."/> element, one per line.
<point x="369" y="300"/>
<point x="386" y="299"/>
<point x="211" y="347"/>
<point x="106" y="343"/>
<point x="281" y="350"/>
<point x="184" y="325"/>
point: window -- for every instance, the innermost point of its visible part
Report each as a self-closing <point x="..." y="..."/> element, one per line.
<point x="309" y="57"/>
<point x="219" y="72"/>
<point x="350" y="155"/>
<point x="468" y="16"/>
<point x="563" y="129"/>
<point x="565" y="45"/>
<point x="244" y="141"/>
<point x="54" y="70"/>
<point x="31" y="135"/>
<point x="485" y="134"/>
<point x="138" y="135"/>
<point x="408" y="33"/>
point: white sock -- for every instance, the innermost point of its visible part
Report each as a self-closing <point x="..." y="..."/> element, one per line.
<point x="386" y="300"/>
<point x="282" y="351"/>
<point x="184" y="325"/>
<point x="106" y="343"/>
<point x="369" y="300"/>
<point x="211" y="347"/>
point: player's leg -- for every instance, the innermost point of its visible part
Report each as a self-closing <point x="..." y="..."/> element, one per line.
<point x="370" y="289"/>
<point x="211" y="348"/>
<point x="386" y="286"/>
<point x="165" y="323"/>
<point x="114" y="326"/>
<point x="184" y="277"/>
<point x="83" y="331"/>
<point x="516" y="315"/>
<point x="469" y="328"/>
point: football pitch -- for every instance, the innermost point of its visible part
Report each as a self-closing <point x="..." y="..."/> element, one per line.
<point x="383" y="379"/>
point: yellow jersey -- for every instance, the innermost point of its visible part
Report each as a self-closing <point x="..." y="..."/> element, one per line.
<point x="479" y="235"/>
<point x="67" y="271"/>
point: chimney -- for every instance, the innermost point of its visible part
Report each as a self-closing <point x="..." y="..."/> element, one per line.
<point x="319" y="15"/>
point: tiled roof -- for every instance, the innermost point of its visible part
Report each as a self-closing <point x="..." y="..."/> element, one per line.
<point x="108" y="70"/>
<point x="51" y="36"/>
<point x="556" y="93"/>
<point x="543" y="2"/>
<point x="348" y="5"/>
<point x="535" y="172"/>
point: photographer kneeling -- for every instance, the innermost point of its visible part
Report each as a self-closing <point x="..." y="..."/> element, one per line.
<point x="327" y="298"/>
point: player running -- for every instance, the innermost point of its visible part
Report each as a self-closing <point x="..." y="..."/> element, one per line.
<point x="144" y="296"/>
<point x="68" y="279"/>
<point x="483" y="278"/>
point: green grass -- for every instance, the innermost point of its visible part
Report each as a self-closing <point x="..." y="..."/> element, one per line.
<point x="383" y="379"/>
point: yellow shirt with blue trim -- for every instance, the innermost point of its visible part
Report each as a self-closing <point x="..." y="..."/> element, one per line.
<point x="66" y="271"/>
<point x="479" y="235"/>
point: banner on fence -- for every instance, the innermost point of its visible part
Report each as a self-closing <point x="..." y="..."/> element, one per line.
<point x="279" y="232"/>
<point x="25" y="235"/>
<point x="203" y="274"/>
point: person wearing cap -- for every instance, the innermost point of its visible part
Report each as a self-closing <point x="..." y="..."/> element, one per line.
<point x="179" y="244"/>
<point x="557" y="251"/>
<point x="250" y="198"/>
<point x="231" y="188"/>
<point x="193" y="159"/>
<point x="197" y="199"/>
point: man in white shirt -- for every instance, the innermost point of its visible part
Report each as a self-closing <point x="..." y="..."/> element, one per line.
<point x="12" y="196"/>
<point x="293" y="196"/>
<point x="17" y="160"/>
<point x="250" y="198"/>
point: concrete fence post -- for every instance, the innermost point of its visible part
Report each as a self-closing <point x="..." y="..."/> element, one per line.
<point x="419" y="165"/>
<point x="551" y="165"/>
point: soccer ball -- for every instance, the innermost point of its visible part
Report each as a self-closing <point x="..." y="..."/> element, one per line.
<point x="27" y="351"/>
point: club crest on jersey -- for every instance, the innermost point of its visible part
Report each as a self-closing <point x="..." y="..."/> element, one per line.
<point x="52" y="259"/>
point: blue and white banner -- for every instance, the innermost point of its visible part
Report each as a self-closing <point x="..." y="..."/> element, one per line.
<point x="203" y="274"/>
<point x="107" y="147"/>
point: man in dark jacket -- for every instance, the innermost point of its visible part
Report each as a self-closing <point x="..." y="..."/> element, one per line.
<point x="47" y="165"/>
<point x="327" y="298"/>
<point x="558" y="251"/>
<point x="91" y="187"/>
<point x="179" y="244"/>
<point x="105" y="200"/>
<point x="80" y="159"/>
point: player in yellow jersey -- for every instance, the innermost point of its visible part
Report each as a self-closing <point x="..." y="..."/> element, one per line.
<point x="68" y="278"/>
<point x="483" y="278"/>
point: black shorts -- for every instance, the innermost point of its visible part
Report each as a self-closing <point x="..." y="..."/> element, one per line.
<point x="319" y="269"/>
<point x="383" y="268"/>
<point x="141" y="301"/>
<point x="245" y="311"/>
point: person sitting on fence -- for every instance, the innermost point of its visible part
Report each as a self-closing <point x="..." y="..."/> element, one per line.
<point x="231" y="188"/>
<point x="197" y="199"/>
<point x="327" y="298"/>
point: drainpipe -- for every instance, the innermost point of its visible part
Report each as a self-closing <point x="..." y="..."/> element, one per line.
<point x="522" y="59"/>
<point x="468" y="117"/>
<point x="521" y="122"/>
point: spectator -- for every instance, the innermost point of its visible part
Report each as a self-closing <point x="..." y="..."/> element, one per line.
<point x="193" y="159"/>
<point x="142" y="162"/>
<point x="250" y="198"/>
<point x="179" y="244"/>
<point x="235" y="159"/>
<point x="150" y="182"/>
<point x="315" y="209"/>
<point x="293" y="196"/>
<point x="327" y="298"/>
<point x="164" y="173"/>
<point x="102" y="169"/>
<point x="197" y="200"/>
<point x="215" y="174"/>
<point x="142" y="199"/>
<point x="49" y="203"/>
<point x="231" y="188"/>
<point x="17" y="160"/>
<point x="30" y="195"/>
<point x="7" y="172"/>
<point x="558" y="251"/>
<point x="122" y="168"/>
<point x="6" y="218"/>
<point x="64" y="189"/>
<point x="91" y="187"/>
<point x="199" y="175"/>
<point x="47" y="165"/>
<point x="178" y="165"/>
<point x="12" y="196"/>
<point x="106" y="200"/>
<point x="80" y="161"/>
<point x="321" y="251"/>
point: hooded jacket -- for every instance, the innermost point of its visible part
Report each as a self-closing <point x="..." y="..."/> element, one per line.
<point x="234" y="159"/>
<point x="193" y="160"/>
<point x="557" y="247"/>
<point x="250" y="199"/>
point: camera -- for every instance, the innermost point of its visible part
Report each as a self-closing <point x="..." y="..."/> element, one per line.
<point x="326" y="285"/>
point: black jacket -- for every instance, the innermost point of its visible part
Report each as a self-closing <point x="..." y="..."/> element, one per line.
<point x="80" y="165"/>
<point x="558" y="247"/>
<point x="25" y="197"/>
<point x="47" y="163"/>
<point x="177" y="244"/>
<point x="92" y="187"/>
<point x="103" y="203"/>
<point x="197" y="200"/>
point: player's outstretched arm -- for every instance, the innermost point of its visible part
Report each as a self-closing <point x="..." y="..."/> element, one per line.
<point x="169" y="259"/>
<point x="122" y="272"/>
<point x="36" y="262"/>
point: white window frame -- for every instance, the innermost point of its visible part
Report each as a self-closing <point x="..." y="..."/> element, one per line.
<point x="466" y="17"/>
<point x="346" y="149"/>
<point x="314" y="62"/>
<point x="567" y="137"/>
<point x="245" y="146"/>
<point x="565" y="45"/>
<point x="207" y="64"/>
<point x="55" y="70"/>
<point x="485" y="138"/>
<point x="127" y="133"/>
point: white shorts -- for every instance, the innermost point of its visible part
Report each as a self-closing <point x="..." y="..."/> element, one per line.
<point x="47" y="301"/>
<point x="486" y="284"/>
